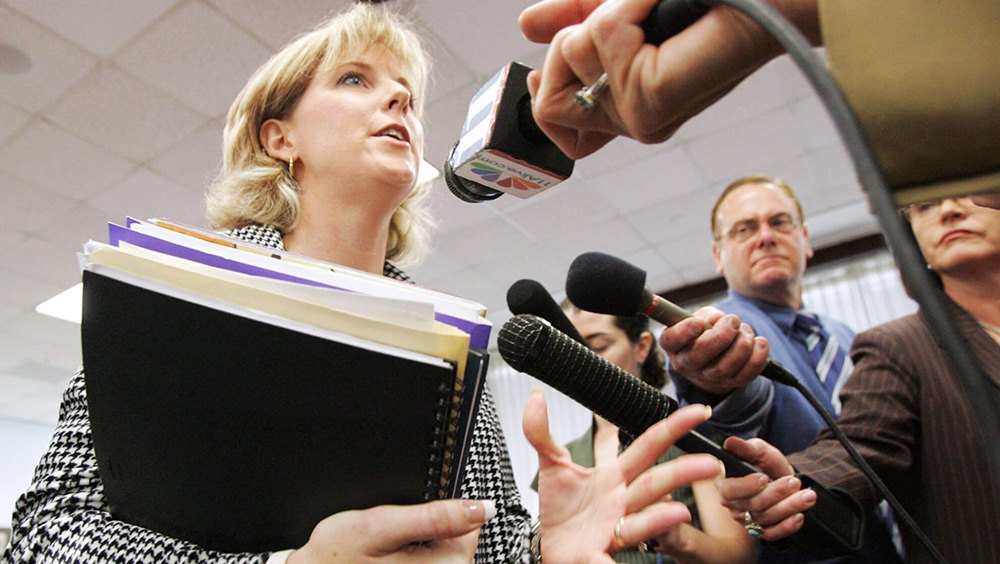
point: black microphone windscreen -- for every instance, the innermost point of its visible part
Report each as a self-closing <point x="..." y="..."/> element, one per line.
<point x="529" y="296"/>
<point x="532" y="346"/>
<point x="602" y="283"/>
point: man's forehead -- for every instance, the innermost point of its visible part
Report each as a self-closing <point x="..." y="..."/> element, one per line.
<point x="759" y="199"/>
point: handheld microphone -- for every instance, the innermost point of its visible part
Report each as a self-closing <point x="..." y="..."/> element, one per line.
<point x="603" y="283"/>
<point x="530" y="345"/>
<point x="529" y="296"/>
<point x="501" y="148"/>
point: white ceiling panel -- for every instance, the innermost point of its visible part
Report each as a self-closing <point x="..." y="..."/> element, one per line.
<point x="55" y="63"/>
<point x="11" y="119"/>
<point x="123" y="114"/>
<point x="277" y="23"/>
<point x="45" y="261"/>
<point x="195" y="160"/>
<point x="27" y="207"/>
<point x="659" y="177"/>
<point x="196" y="55"/>
<point x="60" y="161"/>
<point x="100" y="27"/>
<point x="146" y="194"/>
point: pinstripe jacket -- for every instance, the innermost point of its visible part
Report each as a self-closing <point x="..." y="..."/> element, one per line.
<point x="63" y="516"/>
<point x="904" y="410"/>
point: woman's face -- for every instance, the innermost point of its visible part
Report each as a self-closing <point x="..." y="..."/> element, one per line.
<point x="610" y="341"/>
<point x="956" y="235"/>
<point x="356" y="122"/>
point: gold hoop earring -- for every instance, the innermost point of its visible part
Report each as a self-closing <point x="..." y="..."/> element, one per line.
<point x="291" y="166"/>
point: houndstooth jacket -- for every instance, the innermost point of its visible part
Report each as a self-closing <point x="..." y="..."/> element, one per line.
<point x="63" y="516"/>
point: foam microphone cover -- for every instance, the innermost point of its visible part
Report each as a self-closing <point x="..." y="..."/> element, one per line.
<point x="529" y="296"/>
<point x="601" y="283"/>
<point x="532" y="346"/>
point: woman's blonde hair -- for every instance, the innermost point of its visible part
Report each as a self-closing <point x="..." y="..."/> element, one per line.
<point x="253" y="187"/>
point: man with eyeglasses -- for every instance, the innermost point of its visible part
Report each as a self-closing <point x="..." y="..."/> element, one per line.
<point x="761" y="248"/>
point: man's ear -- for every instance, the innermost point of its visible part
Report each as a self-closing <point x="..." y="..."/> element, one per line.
<point x="717" y="255"/>
<point x="805" y="237"/>
<point x="275" y="139"/>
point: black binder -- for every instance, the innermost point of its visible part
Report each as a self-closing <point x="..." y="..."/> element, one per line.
<point x="241" y="435"/>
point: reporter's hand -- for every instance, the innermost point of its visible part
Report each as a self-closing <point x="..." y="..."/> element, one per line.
<point x="579" y="507"/>
<point x="776" y="505"/>
<point x="447" y="530"/>
<point x="652" y="90"/>
<point x="717" y="352"/>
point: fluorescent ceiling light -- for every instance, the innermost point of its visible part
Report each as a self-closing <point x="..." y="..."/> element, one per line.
<point x="66" y="305"/>
<point x="427" y="172"/>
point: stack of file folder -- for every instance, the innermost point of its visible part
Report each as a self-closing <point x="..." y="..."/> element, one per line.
<point x="239" y="395"/>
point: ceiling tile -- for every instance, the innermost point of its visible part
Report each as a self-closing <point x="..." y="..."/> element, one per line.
<point x="100" y="27"/>
<point x="61" y="162"/>
<point x="28" y="208"/>
<point x="45" y="357"/>
<point x="194" y="161"/>
<point x="122" y="114"/>
<point x="25" y="291"/>
<point x="488" y="240"/>
<point x="173" y="56"/>
<point x="11" y="119"/>
<point x="278" y="23"/>
<point x="615" y="237"/>
<point x="660" y="276"/>
<point x="669" y="223"/>
<point x="816" y="123"/>
<point x="40" y="259"/>
<point x="8" y="312"/>
<point x="450" y="213"/>
<point x="55" y="63"/>
<point x="40" y="407"/>
<point x="539" y="218"/>
<point x="749" y="147"/>
<point x="45" y="329"/>
<point x="79" y="225"/>
<point x="762" y="92"/>
<point x="617" y="155"/>
<point x="146" y="194"/>
<point x="477" y="41"/>
<point x="661" y="177"/>
<point x="543" y="264"/>
<point x="448" y="71"/>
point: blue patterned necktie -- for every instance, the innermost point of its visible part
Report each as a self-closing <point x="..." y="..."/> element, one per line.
<point x="827" y="355"/>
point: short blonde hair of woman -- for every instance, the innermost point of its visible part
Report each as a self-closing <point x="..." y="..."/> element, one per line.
<point x="253" y="187"/>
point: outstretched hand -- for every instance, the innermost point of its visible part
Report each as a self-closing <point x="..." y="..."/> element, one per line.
<point x="775" y="504"/>
<point x="438" y="531"/>
<point x="579" y="507"/>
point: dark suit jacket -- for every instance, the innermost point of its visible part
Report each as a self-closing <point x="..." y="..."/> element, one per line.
<point x="904" y="410"/>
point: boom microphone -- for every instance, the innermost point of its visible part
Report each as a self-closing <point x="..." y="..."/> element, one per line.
<point x="502" y="149"/>
<point x="529" y="296"/>
<point x="602" y="283"/>
<point x="832" y="527"/>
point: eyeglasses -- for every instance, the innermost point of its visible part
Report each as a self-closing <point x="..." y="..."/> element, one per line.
<point x="744" y="230"/>
<point x="922" y="211"/>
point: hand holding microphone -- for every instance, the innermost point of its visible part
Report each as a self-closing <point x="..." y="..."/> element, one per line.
<point x="717" y="352"/>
